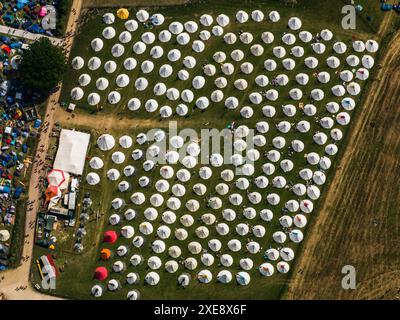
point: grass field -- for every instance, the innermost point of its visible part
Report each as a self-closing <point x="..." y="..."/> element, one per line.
<point x="365" y="220"/>
<point x="81" y="266"/>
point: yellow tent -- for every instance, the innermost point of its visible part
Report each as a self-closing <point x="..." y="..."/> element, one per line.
<point x="123" y="13"/>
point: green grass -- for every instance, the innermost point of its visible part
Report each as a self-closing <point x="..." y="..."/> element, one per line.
<point x="81" y="266"/>
<point x="94" y="27"/>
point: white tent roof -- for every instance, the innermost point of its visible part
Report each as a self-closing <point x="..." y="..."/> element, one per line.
<point x="367" y="61"/>
<point x="113" y="174"/>
<point x="206" y="20"/>
<point x="305" y="36"/>
<point x="326" y="34"/>
<point x="109" y="32"/>
<point x="289" y="38"/>
<point x="142" y="15"/>
<point x="110" y="66"/>
<point x="319" y="48"/>
<point x="157" y="19"/>
<point x="101" y="84"/>
<point x="224" y="276"/>
<point x="117" y="50"/>
<point x="372" y="46"/>
<point x="242" y="16"/>
<point x="147" y="66"/>
<point x="257" y="15"/>
<point x="340" y="47"/>
<point x="274" y="16"/>
<point x="93" y="99"/>
<point x="358" y="46"/>
<point x="97" y="291"/>
<point x="229" y="214"/>
<point x="77" y="63"/>
<point x="131" y="25"/>
<point x="294" y="23"/>
<point x="152" y="278"/>
<point x="270" y="65"/>
<point x="108" y="18"/>
<point x="94" y="63"/>
<point x="183" y="74"/>
<point x="97" y="44"/>
<point x="246" y="37"/>
<point x="279" y="51"/>
<point x="139" y="47"/>
<point x="297" y="51"/>
<point x="114" y="97"/>
<point x="72" y="151"/>
<point x="164" y="36"/>
<point x="191" y="26"/>
<point x="96" y="163"/>
<point x="352" y="60"/>
<point x="266" y="269"/>
<point x="176" y="27"/>
<point x="77" y="93"/>
<point x="272" y="254"/>
<point x="223" y="20"/>
<point x="230" y="38"/>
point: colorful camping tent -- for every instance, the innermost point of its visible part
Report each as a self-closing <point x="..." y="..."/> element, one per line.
<point x="43" y="11"/>
<point x="5" y="48"/>
<point x="110" y="236"/>
<point x="123" y="14"/>
<point x="21" y="3"/>
<point x="56" y="177"/>
<point x="4" y="235"/>
<point x="101" y="273"/>
<point x="105" y="254"/>
<point x="51" y="192"/>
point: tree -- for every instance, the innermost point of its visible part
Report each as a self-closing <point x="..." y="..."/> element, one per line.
<point x="42" y="67"/>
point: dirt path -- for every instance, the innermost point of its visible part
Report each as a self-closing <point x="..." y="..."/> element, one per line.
<point x="20" y="276"/>
<point x="355" y="223"/>
<point x="385" y="24"/>
<point x="27" y="35"/>
<point x="102" y="120"/>
<point x="131" y="3"/>
<point x="109" y="120"/>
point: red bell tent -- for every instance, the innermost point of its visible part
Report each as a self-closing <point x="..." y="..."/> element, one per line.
<point x="110" y="236"/>
<point x="56" y="177"/>
<point x="101" y="273"/>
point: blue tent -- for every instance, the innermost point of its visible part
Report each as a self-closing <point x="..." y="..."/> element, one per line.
<point x="35" y="28"/>
<point x="21" y="4"/>
<point x="5" y="39"/>
<point x="386" y="7"/>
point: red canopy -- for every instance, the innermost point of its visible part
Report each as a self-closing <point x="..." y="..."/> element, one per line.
<point x="110" y="236"/>
<point x="101" y="273"/>
<point x="6" y="49"/>
<point x="56" y="177"/>
<point x="51" y="192"/>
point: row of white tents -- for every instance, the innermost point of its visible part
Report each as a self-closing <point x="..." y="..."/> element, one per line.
<point x="198" y="82"/>
<point x="222" y="20"/>
<point x="205" y="276"/>
<point x="215" y="226"/>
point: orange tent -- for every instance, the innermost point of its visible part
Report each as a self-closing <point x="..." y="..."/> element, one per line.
<point x="5" y="48"/>
<point x="105" y="254"/>
<point x="51" y="192"/>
